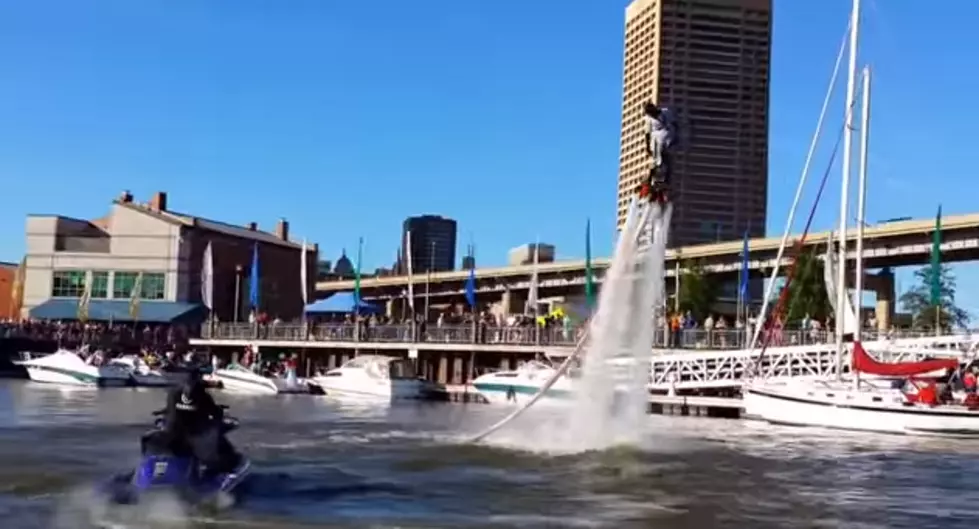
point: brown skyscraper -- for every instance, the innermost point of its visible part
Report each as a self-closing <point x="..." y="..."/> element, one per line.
<point x="708" y="60"/>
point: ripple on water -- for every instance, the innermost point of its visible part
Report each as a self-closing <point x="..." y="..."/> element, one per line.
<point x="320" y="464"/>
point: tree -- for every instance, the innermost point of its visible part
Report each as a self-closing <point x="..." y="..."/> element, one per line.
<point x="917" y="300"/>
<point x="807" y="293"/>
<point x="698" y="291"/>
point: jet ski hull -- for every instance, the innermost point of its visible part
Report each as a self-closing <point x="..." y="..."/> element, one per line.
<point x="180" y="477"/>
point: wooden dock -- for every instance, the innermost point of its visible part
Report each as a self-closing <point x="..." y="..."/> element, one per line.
<point x="693" y="405"/>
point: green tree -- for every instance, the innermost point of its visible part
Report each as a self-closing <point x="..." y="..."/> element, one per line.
<point x="917" y="300"/>
<point x="807" y="293"/>
<point x="698" y="291"/>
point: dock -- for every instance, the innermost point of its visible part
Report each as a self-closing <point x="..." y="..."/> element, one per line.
<point x="683" y="405"/>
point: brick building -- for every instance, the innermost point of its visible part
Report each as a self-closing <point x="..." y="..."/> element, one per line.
<point x="64" y="255"/>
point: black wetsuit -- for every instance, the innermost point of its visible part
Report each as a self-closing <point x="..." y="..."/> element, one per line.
<point x="193" y="421"/>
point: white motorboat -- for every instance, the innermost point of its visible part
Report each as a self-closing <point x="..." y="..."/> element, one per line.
<point x="142" y="374"/>
<point x="372" y="377"/>
<point x="65" y="367"/>
<point x="239" y="379"/>
<point x="519" y="385"/>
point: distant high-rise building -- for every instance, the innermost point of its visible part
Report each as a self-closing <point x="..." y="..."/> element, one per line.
<point x="708" y="60"/>
<point x="433" y="243"/>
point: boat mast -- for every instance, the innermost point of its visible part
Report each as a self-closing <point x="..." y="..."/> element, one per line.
<point x="841" y="297"/>
<point x="861" y="206"/>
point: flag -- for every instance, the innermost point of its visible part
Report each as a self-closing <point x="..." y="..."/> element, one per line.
<point x="589" y="273"/>
<point x="304" y="275"/>
<point x="84" y="302"/>
<point x="207" y="278"/>
<point x="411" y="276"/>
<point x="135" y="296"/>
<point x="253" y="280"/>
<point x="532" y="296"/>
<point x="17" y="289"/>
<point x="360" y="258"/>
<point x="471" y="288"/>
<point x="936" y="261"/>
<point x="743" y="289"/>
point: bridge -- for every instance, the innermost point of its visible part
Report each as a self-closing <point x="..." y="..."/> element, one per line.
<point x="890" y="244"/>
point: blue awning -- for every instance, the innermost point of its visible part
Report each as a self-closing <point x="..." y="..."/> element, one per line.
<point x="116" y="310"/>
<point x="341" y="302"/>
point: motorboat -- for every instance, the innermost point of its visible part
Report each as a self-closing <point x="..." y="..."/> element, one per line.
<point x="66" y="367"/>
<point x="143" y="375"/>
<point x="372" y="377"/>
<point x="174" y="470"/>
<point x="237" y="378"/>
<point x="519" y="385"/>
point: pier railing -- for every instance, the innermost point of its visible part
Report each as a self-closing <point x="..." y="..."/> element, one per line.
<point x="718" y="339"/>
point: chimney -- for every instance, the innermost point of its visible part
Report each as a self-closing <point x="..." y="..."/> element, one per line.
<point x="159" y="201"/>
<point x="126" y="197"/>
<point x="252" y="226"/>
<point x="282" y="229"/>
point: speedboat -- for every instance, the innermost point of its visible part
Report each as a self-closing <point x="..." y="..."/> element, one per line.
<point x="371" y="377"/>
<point x="239" y="379"/>
<point x="65" y="367"/>
<point x="519" y="385"/>
<point x="142" y="374"/>
<point x="164" y="469"/>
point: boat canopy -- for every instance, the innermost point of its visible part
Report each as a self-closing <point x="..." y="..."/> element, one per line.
<point x="864" y="363"/>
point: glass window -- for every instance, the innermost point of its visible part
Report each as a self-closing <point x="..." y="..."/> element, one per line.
<point x="154" y="286"/>
<point x="122" y="286"/>
<point x="100" y="285"/>
<point x="68" y="283"/>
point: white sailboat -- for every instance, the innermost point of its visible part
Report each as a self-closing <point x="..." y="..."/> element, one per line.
<point x="913" y="405"/>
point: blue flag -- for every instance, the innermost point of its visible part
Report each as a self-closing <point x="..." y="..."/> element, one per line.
<point x="471" y="288"/>
<point x="253" y="295"/>
<point x="744" y="268"/>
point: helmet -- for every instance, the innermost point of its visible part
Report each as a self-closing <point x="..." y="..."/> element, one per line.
<point x="650" y="109"/>
<point x="192" y="381"/>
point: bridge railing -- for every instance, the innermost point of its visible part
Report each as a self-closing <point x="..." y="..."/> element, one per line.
<point x="698" y="339"/>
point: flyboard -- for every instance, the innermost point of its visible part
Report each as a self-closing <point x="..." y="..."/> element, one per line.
<point x="651" y="204"/>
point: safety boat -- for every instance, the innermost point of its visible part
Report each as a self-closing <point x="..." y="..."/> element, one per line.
<point x="67" y="368"/>
<point x="372" y="377"/>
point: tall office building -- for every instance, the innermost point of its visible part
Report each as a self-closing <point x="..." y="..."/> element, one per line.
<point x="709" y="61"/>
<point x="433" y="243"/>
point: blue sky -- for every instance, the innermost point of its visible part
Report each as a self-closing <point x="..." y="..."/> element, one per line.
<point x="347" y="116"/>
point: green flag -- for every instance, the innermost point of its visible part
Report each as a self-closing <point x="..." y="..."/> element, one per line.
<point x="360" y="256"/>
<point x="936" y="261"/>
<point x="589" y="274"/>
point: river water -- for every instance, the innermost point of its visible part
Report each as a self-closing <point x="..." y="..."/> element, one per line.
<point x="322" y="464"/>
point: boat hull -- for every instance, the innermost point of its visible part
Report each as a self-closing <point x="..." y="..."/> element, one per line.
<point x="872" y="410"/>
<point x="235" y="381"/>
<point x="519" y="394"/>
<point x="43" y="370"/>
<point x="363" y="388"/>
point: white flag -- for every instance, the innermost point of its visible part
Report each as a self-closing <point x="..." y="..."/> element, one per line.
<point x="411" y="278"/>
<point x="207" y="279"/>
<point x="304" y="275"/>
<point x="532" y="301"/>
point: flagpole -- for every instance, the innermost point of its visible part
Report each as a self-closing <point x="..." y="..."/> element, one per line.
<point x="428" y="279"/>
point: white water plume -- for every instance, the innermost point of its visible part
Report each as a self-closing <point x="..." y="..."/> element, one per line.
<point x="611" y="396"/>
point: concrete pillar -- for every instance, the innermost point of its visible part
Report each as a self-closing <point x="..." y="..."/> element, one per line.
<point x="443" y="370"/>
<point x="885" y="299"/>
<point x="389" y="309"/>
<point x="457" y="370"/>
<point x="505" y="363"/>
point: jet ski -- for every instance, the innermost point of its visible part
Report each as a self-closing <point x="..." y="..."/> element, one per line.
<point x="166" y="469"/>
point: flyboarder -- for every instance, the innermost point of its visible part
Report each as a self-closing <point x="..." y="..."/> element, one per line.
<point x="662" y="131"/>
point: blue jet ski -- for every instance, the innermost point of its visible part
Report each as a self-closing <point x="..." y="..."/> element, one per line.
<point x="164" y="468"/>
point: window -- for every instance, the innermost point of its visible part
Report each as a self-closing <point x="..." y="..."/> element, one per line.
<point x="67" y="283"/>
<point x="122" y="287"/>
<point x="154" y="286"/>
<point x="100" y="285"/>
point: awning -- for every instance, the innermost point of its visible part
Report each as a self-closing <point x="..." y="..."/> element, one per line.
<point x="116" y="310"/>
<point x="341" y="302"/>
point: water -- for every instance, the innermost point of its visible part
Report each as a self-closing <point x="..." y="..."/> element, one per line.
<point x="320" y="464"/>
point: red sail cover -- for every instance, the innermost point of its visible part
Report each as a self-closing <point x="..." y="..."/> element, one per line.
<point x="864" y="363"/>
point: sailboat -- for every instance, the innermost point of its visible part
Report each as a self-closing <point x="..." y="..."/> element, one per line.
<point x="896" y="398"/>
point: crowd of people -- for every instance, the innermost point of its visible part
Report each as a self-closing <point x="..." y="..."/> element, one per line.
<point x="115" y="337"/>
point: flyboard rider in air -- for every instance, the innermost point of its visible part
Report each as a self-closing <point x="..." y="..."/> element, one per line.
<point x="662" y="133"/>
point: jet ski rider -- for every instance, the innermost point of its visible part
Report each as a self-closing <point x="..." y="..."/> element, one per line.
<point x="193" y="420"/>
